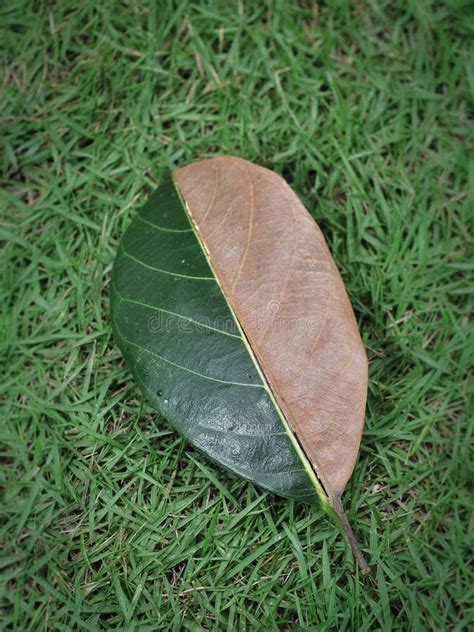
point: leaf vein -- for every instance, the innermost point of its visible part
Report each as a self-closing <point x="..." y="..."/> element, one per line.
<point x="167" y="311"/>
<point x="242" y="434"/>
<point x="162" y="228"/>
<point x="176" y="274"/>
<point x="183" y="368"/>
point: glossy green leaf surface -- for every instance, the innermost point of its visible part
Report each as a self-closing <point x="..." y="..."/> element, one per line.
<point x="185" y="349"/>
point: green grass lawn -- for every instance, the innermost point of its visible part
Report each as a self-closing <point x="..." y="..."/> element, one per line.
<point x="108" y="519"/>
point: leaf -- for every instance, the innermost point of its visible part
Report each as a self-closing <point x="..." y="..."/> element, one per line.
<point x="233" y="318"/>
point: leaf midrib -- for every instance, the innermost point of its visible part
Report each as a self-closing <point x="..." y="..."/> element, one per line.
<point x="312" y="474"/>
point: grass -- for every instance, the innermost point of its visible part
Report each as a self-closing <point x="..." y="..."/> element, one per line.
<point x="108" y="519"/>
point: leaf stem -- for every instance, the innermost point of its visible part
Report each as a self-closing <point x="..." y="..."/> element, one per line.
<point x="336" y="504"/>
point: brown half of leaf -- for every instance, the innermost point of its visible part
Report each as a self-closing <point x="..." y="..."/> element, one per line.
<point x="278" y="275"/>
